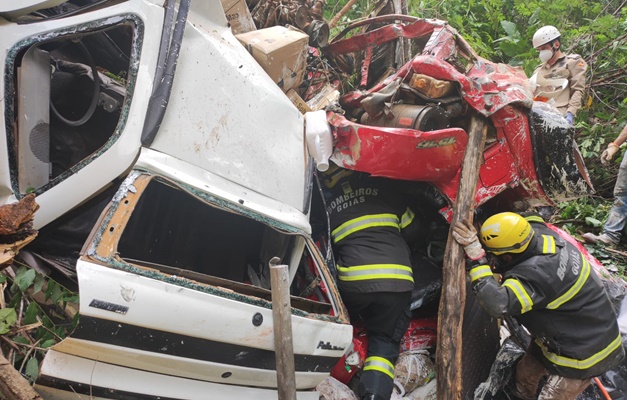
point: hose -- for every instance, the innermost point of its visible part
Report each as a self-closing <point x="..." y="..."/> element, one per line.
<point x="602" y="388"/>
<point x="95" y="96"/>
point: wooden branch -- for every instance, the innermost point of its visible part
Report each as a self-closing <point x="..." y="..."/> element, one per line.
<point x="602" y="49"/>
<point x="282" y="322"/>
<point x="452" y="302"/>
<point x="620" y="73"/>
<point x="13" y="385"/>
<point x="622" y="253"/>
<point x="341" y="13"/>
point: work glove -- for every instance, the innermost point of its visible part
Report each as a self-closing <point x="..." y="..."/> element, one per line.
<point x="570" y="118"/>
<point x="609" y="153"/>
<point x="466" y="235"/>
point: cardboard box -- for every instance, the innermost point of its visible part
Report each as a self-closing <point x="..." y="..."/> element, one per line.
<point x="238" y="16"/>
<point x="281" y="52"/>
<point x="298" y="101"/>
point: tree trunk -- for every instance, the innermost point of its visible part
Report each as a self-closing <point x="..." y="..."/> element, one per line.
<point x="13" y="386"/>
<point x="452" y="302"/>
<point x="283" y="343"/>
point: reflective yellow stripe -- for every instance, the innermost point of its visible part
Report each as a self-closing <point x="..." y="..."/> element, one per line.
<point x="583" y="277"/>
<point x="480" y="272"/>
<point x="521" y="294"/>
<point x="374" y="271"/>
<point x="548" y="247"/>
<point x="407" y="218"/>
<point x="581" y="364"/>
<point x="379" y="364"/>
<point x="534" y="218"/>
<point x="367" y="221"/>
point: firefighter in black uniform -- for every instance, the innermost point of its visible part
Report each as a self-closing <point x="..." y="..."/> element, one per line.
<point x="368" y="218"/>
<point x="550" y="288"/>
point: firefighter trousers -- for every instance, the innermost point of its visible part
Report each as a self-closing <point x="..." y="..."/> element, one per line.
<point x="386" y="317"/>
<point x="529" y="373"/>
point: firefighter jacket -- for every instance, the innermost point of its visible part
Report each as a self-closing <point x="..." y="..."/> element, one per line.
<point x="554" y="292"/>
<point x="367" y="216"/>
<point x="564" y="82"/>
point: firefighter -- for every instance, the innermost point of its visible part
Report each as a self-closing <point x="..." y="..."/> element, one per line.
<point x="560" y="77"/>
<point x="368" y="219"/>
<point x="617" y="219"/>
<point x="549" y="287"/>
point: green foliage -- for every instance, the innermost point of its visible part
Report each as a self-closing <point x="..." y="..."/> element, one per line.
<point x="45" y="317"/>
<point x="588" y="210"/>
<point x="8" y="317"/>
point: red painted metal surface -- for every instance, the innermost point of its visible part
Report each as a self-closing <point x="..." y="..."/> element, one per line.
<point x="399" y="153"/>
<point x="499" y="92"/>
<point x="420" y="335"/>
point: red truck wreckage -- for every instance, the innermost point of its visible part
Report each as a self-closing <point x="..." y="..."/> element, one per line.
<point x="407" y="134"/>
<point x="146" y="195"/>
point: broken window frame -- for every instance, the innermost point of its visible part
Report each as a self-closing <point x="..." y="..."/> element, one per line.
<point x="11" y="93"/>
<point x="102" y="248"/>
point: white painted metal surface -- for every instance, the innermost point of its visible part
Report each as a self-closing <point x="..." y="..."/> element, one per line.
<point x="207" y="181"/>
<point x="227" y="116"/>
<point x="197" y="314"/>
<point x="104" y="375"/>
<point x="120" y="156"/>
<point x="13" y="9"/>
<point x="158" y="306"/>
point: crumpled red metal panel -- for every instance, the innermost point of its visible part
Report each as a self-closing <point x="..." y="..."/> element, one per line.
<point x="398" y="153"/>
<point x="420" y="335"/>
<point x="497" y="91"/>
<point x="487" y="86"/>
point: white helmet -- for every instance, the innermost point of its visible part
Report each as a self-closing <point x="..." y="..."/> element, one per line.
<point x="545" y="35"/>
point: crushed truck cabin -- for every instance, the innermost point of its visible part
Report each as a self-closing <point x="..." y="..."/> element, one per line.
<point x="171" y="165"/>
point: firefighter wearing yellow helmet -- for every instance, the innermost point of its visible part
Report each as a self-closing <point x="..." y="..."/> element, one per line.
<point x="549" y="286"/>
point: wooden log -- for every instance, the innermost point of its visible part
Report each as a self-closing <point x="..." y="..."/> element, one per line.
<point x="282" y="319"/>
<point x="341" y="13"/>
<point x="14" y="386"/>
<point x="452" y="302"/>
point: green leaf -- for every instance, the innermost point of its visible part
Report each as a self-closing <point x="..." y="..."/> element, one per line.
<point x="8" y="316"/>
<point x="32" y="368"/>
<point x="3" y="278"/>
<point x="511" y="29"/>
<point x="54" y="292"/>
<point x="40" y="280"/>
<point x="21" y="339"/>
<point x="30" y="316"/>
<point x="47" y="343"/>
<point x="24" y="278"/>
<point x="593" y="221"/>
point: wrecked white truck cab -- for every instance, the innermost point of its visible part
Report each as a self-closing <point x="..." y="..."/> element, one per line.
<point x="174" y="284"/>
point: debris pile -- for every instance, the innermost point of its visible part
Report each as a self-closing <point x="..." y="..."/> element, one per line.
<point x="16" y="227"/>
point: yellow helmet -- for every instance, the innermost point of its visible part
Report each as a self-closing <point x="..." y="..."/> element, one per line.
<point x="506" y="232"/>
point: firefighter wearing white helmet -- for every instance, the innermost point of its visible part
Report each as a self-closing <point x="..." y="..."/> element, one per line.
<point x="549" y="286"/>
<point x="561" y="78"/>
